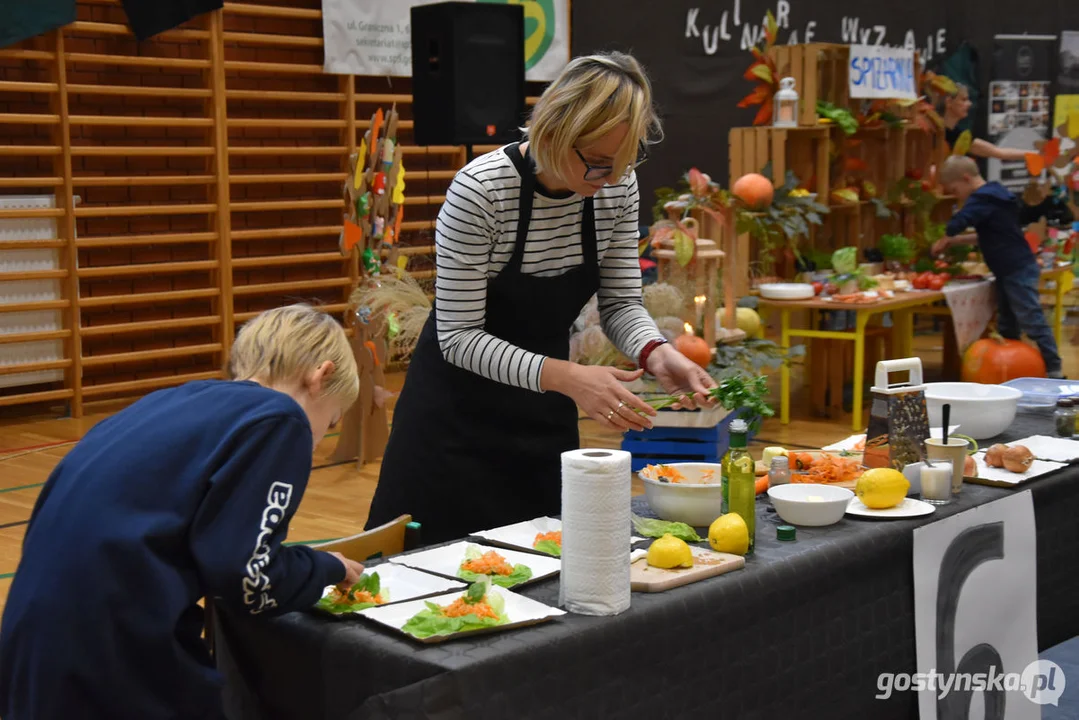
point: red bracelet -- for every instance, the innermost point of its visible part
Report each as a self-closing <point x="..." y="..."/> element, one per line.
<point x="652" y="345"/>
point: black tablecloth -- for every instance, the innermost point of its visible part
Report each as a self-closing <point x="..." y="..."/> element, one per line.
<point x="802" y="631"/>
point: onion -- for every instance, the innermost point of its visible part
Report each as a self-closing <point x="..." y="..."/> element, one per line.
<point x="994" y="456"/>
<point x="1018" y="459"/>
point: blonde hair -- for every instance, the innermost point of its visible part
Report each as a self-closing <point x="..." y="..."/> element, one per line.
<point x="589" y="98"/>
<point x="283" y="344"/>
<point x="956" y="167"/>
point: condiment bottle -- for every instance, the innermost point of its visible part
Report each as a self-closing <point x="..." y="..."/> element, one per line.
<point x="1064" y="418"/>
<point x="742" y="480"/>
<point x="780" y="472"/>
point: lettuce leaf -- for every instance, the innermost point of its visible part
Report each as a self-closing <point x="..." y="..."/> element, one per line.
<point x="550" y="547"/>
<point x="371" y="583"/>
<point x="430" y="621"/>
<point x="650" y="527"/>
<point x="520" y="574"/>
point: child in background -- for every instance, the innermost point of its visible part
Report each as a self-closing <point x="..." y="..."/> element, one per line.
<point x="996" y="216"/>
<point x="185" y="494"/>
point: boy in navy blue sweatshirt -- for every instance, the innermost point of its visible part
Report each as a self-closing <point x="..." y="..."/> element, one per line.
<point x="996" y="216"/>
<point x="185" y="494"/>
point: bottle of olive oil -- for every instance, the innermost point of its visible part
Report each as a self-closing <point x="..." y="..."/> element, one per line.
<point x="742" y="479"/>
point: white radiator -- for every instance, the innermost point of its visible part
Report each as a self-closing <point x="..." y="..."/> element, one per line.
<point x="23" y="291"/>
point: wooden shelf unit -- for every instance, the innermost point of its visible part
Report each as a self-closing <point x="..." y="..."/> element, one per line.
<point x="809" y="151"/>
<point x="209" y="163"/>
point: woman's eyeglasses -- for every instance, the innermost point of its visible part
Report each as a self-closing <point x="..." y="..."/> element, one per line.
<point x="598" y="172"/>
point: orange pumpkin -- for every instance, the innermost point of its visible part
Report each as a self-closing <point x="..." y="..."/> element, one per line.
<point x="695" y="348"/>
<point x="755" y="190"/>
<point x="995" y="360"/>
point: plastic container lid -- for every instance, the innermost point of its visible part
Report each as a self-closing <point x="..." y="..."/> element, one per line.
<point x="785" y="532"/>
<point x="1043" y="392"/>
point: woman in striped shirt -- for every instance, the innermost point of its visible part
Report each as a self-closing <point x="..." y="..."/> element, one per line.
<point x="527" y="235"/>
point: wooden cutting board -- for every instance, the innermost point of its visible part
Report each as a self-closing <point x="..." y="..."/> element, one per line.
<point x="706" y="563"/>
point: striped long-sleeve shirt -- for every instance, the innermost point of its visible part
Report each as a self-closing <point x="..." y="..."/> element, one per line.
<point x="474" y="239"/>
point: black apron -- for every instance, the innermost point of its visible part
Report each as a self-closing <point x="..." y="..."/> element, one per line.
<point x="467" y="453"/>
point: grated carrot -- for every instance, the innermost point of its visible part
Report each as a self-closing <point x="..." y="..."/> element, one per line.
<point x="490" y="563"/>
<point x="666" y="472"/>
<point x="827" y="469"/>
<point x="459" y="608"/>
<point x="554" y="536"/>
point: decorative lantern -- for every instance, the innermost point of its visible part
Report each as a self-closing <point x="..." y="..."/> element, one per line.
<point x="785" y="105"/>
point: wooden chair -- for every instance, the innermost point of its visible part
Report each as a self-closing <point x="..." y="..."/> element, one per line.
<point x="388" y="539"/>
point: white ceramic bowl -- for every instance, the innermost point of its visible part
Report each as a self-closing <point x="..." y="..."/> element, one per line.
<point x="786" y="291"/>
<point x="981" y="411"/>
<point x="810" y="504"/>
<point x="697" y="501"/>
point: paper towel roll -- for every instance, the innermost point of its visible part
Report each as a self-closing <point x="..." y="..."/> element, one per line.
<point x="596" y="522"/>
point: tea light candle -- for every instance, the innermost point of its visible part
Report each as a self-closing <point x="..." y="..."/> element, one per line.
<point x="937" y="483"/>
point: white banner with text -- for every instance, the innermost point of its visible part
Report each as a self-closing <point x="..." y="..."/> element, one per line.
<point x="373" y="37"/>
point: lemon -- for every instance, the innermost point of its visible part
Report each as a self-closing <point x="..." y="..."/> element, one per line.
<point x="670" y="552"/>
<point x="728" y="533"/>
<point x="881" y="488"/>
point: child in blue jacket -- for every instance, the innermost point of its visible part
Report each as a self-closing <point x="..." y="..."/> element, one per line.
<point x="995" y="214"/>
<point x="185" y="494"/>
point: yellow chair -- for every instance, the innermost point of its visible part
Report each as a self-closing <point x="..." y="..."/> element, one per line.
<point x="388" y="539"/>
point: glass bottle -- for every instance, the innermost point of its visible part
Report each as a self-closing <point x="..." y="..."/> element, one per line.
<point x="742" y="480"/>
<point x="780" y="472"/>
<point x="1064" y="418"/>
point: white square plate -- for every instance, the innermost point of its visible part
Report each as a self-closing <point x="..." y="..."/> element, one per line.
<point x="519" y="611"/>
<point x="446" y="560"/>
<point x="521" y="535"/>
<point x="1003" y="476"/>
<point x="403" y="583"/>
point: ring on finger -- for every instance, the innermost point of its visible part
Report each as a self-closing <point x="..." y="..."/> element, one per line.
<point x="610" y="415"/>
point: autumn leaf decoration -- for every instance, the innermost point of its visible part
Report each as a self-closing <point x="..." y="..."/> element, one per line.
<point x="763" y="72"/>
<point x="963" y="143"/>
<point x="925" y="116"/>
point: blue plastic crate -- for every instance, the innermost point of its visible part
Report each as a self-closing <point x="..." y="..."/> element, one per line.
<point x="662" y="445"/>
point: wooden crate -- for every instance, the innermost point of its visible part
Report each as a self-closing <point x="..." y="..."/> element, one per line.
<point x="801" y="150"/>
<point x="820" y="72"/>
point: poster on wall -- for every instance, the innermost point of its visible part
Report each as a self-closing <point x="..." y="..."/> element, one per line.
<point x="975" y="618"/>
<point x="373" y="37"/>
<point x="1066" y="110"/>
<point x="1020" y="101"/>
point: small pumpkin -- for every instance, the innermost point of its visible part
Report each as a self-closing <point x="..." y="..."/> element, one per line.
<point x="755" y="190"/>
<point x="995" y="360"/>
<point x="695" y="348"/>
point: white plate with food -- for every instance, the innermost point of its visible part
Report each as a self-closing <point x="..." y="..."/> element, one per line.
<point x="469" y="561"/>
<point x="541" y="535"/>
<point x="481" y="608"/>
<point x="385" y="584"/>
<point x="908" y="508"/>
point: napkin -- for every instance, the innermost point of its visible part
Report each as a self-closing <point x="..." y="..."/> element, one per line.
<point x="596" y="522"/>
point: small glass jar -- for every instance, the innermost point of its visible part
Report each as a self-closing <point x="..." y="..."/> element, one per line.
<point x="780" y="472"/>
<point x="1064" y="418"/>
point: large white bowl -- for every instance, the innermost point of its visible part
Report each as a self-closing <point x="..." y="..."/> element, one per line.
<point x="696" y="502"/>
<point x="786" y="291"/>
<point x="981" y="411"/>
<point x="810" y="504"/>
